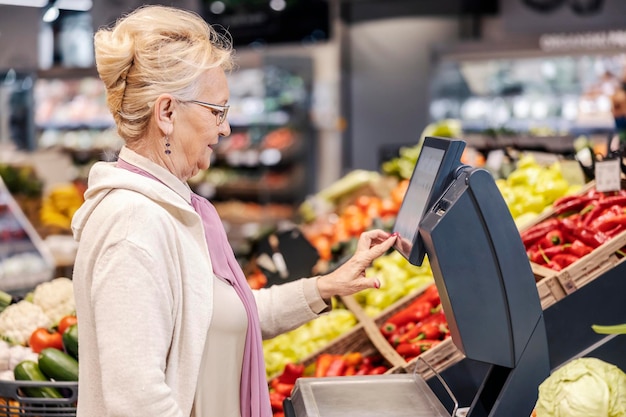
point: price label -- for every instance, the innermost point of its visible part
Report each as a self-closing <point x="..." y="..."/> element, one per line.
<point x="608" y="175"/>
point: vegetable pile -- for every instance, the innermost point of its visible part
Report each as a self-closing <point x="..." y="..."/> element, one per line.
<point x="418" y="327"/>
<point x="582" y="223"/>
<point x="326" y="365"/>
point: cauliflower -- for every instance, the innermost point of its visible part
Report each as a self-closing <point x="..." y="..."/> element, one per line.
<point x="18" y="321"/>
<point x="56" y="298"/>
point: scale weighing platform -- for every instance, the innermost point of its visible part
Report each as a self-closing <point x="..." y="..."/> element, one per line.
<point x="456" y="215"/>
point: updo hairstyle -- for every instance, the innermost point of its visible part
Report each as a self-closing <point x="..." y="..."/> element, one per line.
<point x="155" y="50"/>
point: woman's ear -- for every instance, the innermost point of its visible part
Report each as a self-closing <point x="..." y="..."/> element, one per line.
<point x="164" y="112"/>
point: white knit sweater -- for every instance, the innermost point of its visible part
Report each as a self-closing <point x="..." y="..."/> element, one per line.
<point x="144" y="285"/>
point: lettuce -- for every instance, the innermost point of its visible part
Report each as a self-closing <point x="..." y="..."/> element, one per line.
<point x="584" y="387"/>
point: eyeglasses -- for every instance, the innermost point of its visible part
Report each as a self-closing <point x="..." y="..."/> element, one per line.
<point x="219" y="111"/>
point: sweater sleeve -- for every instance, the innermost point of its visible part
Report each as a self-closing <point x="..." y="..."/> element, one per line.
<point x="287" y="306"/>
<point x="133" y="332"/>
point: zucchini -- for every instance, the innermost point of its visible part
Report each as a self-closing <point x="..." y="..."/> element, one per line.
<point x="29" y="371"/>
<point x="70" y="340"/>
<point x="58" y="365"/>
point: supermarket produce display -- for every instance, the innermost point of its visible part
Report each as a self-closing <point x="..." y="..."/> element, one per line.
<point x="355" y="337"/>
<point x="501" y="291"/>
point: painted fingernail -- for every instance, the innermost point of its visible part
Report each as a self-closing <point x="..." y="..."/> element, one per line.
<point x="376" y="283"/>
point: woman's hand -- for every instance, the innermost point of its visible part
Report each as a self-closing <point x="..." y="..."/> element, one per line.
<point x="349" y="278"/>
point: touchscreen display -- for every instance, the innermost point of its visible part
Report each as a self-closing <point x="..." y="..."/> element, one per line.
<point x="417" y="197"/>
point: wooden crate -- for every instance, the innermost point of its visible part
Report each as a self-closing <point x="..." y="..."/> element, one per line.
<point x="439" y="357"/>
<point x="548" y="286"/>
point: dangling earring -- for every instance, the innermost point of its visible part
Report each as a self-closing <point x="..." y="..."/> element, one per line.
<point x="167" y="145"/>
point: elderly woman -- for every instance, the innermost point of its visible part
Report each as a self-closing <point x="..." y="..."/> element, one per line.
<point x="168" y="325"/>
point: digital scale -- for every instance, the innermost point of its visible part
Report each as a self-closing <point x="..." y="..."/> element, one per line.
<point x="456" y="215"/>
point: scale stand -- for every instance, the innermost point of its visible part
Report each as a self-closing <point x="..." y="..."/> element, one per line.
<point x="488" y="292"/>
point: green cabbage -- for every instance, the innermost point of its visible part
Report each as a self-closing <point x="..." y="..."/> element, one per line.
<point x="584" y="387"/>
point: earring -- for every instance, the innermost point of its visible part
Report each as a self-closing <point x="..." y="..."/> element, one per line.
<point x="167" y="145"/>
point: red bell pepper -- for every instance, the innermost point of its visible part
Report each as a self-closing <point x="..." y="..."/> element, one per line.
<point x="555" y="237"/>
<point x="415" y="348"/>
<point x="413" y="313"/>
<point x="276" y="401"/>
<point x="322" y="364"/>
<point x="291" y="372"/>
<point x="432" y="327"/>
<point x="353" y="358"/>
<point x="379" y="370"/>
<point x="284" y="389"/>
<point x="337" y="367"/>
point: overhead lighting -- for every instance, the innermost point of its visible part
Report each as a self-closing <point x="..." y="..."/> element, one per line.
<point x="27" y="3"/>
<point x="51" y="14"/>
<point x="78" y="5"/>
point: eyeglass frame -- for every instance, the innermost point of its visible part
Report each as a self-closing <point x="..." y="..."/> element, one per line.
<point x="221" y="117"/>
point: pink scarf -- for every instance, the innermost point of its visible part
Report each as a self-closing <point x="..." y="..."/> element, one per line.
<point x="255" y="401"/>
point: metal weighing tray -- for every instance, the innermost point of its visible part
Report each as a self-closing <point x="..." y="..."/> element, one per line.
<point x="389" y="395"/>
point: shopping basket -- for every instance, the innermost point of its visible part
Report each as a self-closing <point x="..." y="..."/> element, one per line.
<point x="13" y="402"/>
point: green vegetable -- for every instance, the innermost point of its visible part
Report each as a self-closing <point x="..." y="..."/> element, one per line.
<point x="58" y="365"/>
<point x="70" y="341"/>
<point x="5" y="300"/>
<point x="614" y="329"/>
<point x="584" y="387"/>
<point x="29" y="371"/>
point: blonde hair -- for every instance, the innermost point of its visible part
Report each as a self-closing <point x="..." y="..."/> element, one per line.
<point x="155" y="50"/>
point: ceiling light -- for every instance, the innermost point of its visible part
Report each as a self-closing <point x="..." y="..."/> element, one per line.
<point x="27" y="3"/>
<point x="51" y="15"/>
<point x="78" y="5"/>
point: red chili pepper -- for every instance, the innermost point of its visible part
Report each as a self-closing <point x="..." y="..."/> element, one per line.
<point x="612" y="222"/>
<point x="553" y="265"/>
<point x="606" y="214"/>
<point x="565" y="199"/>
<point x="615" y="231"/>
<point x="574" y="205"/>
<point x="564" y="259"/>
<point x="543" y="256"/>
<point x="579" y="249"/>
<point x="535" y="233"/>
<point x="588" y="237"/>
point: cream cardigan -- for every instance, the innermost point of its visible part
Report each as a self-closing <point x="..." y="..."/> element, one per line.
<point x="143" y="285"/>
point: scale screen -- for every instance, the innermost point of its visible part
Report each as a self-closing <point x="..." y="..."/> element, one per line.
<point x="434" y="169"/>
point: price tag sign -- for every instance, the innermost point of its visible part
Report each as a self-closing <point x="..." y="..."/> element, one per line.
<point x="608" y="175"/>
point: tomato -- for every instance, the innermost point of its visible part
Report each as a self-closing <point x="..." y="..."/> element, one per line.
<point x="66" y="322"/>
<point x="43" y="338"/>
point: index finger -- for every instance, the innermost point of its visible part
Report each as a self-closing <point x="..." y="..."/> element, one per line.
<point x="374" y="236"/>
